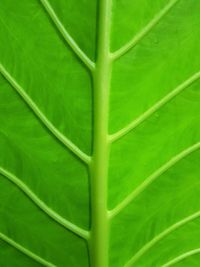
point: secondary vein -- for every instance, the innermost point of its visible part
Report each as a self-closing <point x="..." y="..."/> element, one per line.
<point x="160" y="236"/>
<point x="182" y="257"/>
<point x="136" y="39"/>
<point x="152" y="178"/>
<point x="70" y="41"/>
<point x="26" y="251"/>
<point x="136" y="122"/>
<point x="63" y="139"/>
<point x="44" y="207"/>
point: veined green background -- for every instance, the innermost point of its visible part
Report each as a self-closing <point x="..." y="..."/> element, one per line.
<point x="145" y="61"/>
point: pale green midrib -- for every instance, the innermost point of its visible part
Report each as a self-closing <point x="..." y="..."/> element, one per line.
<point x="182" y="257"/>
<point x="160" y="236"/>
<point x="45" y="208"/>
<point x="68" y="38"/>
<point x="25" y="251"/>
<point x="147" y="182"/>
<point x="99" y="236"/>
<point x="34" y="108"/>
<point x="136" y="39"/>
<point x="137" y="122"/>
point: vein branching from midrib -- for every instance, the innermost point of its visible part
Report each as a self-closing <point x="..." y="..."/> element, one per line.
<point x="119" y="53"/>
<point x="182" y="257"/>
<point x="136" y="39"/>
<point x="131" y="44"/>
<point x="138" y="121"/>
<point x="63" y="139"/>
<point x="160" y="236"/>
<point x="148" y="181"/>
<point x="44" y="207"/>
<point x="87" y="159"/>
<point x="26" y="251"/>
<point x="68" y="38"/>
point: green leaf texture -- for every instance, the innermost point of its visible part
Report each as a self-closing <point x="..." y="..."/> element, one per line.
<point x="99" y="133"/>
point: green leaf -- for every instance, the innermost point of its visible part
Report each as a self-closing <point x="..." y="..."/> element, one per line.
<point x="99" y="133"/>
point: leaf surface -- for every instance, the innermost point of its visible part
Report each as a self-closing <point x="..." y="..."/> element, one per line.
<point x="99" y="133"/>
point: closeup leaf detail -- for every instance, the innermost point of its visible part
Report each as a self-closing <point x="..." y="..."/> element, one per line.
<point x="99" y="135"/>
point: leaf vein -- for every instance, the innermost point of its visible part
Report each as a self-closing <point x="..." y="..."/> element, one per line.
<point x="46" y="209"/>
<point x="182" y="257"/>
<point x="136" y="39"/>
<point x="136" y="122"/>
<point x="160" y="236"/>
<point x="26" y="251"/>
<point x="70" y="41"/>
<point x="147" y="182"/>
<point x="63" y="139"/>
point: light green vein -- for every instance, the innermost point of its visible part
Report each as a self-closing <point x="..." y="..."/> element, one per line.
<point x="70" y="41"/>
<point x="160" y="236"/>
<point x="99" y="242"/>
<point x="152" y="178"/>
<point x="116" y="136"/>
<point x="136" y="39"/>
<point x="182" y="257"/>
<point x="25" y="251"/>
<point x="63" y="139"/>
<point x="47" y="210"/>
